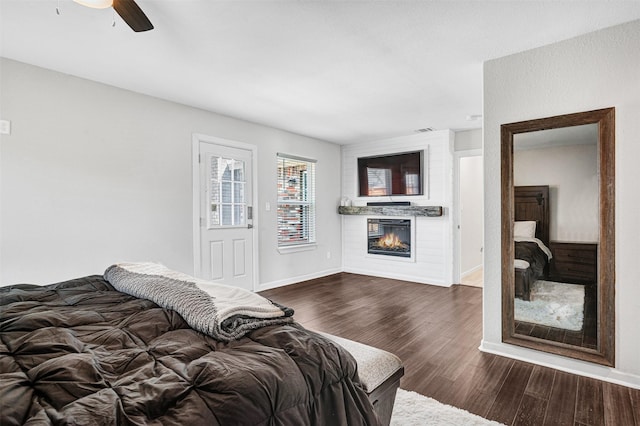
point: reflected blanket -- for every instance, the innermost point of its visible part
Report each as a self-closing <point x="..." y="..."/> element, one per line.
<point x="81" y="352"/>
<point x="534" y="255"/>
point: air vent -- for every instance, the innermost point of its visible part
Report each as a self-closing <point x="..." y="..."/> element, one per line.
<point x="426" y="129"/>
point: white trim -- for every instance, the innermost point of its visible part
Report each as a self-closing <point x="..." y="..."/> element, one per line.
<point x="448" y="194"/>
<point x="297" y="248"/>
<point x="195" y="202"/>
<point x="297" y="280"/>
<point x="455" y="211"/>
<point x="395" y="275"/>
<point x="196" y="139"/>
<point x="296" y="157"/>
<point x="568" y="365"/>
<point x="471" y="271"/>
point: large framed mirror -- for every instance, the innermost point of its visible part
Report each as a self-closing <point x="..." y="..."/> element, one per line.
<point x="558" y="239"/>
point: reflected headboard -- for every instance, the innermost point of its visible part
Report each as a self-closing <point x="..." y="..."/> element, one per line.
<point x="532" y="203"/>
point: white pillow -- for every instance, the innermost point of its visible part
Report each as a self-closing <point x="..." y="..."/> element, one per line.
<point x="524" y="228"/>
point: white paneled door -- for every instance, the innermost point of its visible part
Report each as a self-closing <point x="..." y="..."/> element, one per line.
<point x="226" y="215"/>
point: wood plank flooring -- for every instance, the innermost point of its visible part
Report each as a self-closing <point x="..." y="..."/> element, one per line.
<point x="436" y="331"/>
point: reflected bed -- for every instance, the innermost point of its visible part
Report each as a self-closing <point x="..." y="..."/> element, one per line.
<point x="531" y="237"/>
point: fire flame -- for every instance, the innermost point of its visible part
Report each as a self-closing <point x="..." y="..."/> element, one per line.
<point x="390" y="240"/>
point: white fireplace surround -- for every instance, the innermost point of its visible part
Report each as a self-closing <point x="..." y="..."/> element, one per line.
<point x="432" y="246"/>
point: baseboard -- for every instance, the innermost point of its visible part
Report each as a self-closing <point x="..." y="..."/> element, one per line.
<point x="298" y="279"/>
<point x="471" y="271"/>
<point x="397" y="276"/>
<point x="568" y="365"/>
<point x="320" y="274"/>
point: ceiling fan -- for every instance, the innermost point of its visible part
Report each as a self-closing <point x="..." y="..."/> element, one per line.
<point x="128" y="10"/>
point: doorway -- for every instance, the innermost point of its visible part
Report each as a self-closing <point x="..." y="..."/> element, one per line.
<point x="224" y="218"/>
<point x="470" y="217"/>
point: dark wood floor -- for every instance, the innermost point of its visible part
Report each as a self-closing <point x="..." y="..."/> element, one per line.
<point x="436" y="331"/>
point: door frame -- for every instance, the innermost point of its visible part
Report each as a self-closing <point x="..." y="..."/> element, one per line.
<point x="197" y="139"/>
<point x="457" y="242"/>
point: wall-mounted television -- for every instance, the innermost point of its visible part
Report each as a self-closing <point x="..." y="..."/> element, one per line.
<point x="389" y="175"/>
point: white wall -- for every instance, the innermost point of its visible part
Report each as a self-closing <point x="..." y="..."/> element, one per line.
<point x="466" y="140"/>
<point x="433" y="250"/>
<point x="92" y="175"/>
<point x="572" y="175"/>
<point x="597" y="70"/>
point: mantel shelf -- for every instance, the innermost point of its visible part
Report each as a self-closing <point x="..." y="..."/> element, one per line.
<point x="431" y="211"/>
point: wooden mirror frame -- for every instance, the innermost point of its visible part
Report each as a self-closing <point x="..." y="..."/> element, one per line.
<point x="605" y="350"/>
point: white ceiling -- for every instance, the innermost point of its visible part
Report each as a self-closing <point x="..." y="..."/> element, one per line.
<point x="342" y="71"/>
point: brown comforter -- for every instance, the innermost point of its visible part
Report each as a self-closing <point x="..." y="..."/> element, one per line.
<point x="80" y="352"/>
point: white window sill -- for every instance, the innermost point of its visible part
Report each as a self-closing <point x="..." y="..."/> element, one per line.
<point x="297" y="248"/>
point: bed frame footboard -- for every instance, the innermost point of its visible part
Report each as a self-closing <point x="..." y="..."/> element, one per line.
<point x="379" y="372"/>
<point x="522" y="284"/>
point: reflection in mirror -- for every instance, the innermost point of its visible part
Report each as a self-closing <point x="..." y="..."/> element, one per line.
<point x="558" y="235"/>
<point x="555" y="175"/>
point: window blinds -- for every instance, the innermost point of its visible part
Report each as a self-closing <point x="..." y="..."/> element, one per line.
<point x="296" y="200"/>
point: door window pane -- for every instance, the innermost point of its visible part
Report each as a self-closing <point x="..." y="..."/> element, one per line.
<point x="238" y="191"/>
<point x="226" y="215"/>
<point x="238" y="214"/>
<point x="227" y="192"/>
<point x="227" y="197"/>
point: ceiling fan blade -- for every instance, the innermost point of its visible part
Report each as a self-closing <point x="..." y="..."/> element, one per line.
<point x="131" y="13"/>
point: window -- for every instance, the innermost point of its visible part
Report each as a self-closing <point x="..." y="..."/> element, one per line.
<point x="227" y="192"/>
<point x="296" y="201"/>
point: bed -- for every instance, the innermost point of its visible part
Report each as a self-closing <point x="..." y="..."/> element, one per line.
<point x="96" y="351"/>
<point x="531" y="237"/>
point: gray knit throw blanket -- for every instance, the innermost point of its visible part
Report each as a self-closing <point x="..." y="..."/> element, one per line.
<point x="223" y="312"/>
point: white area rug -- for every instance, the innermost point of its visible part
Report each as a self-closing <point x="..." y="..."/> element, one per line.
<point x="553" y="304"/>
<point x="413" y="409"/>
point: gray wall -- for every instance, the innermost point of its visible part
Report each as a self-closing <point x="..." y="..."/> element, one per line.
<point x="92" y="175"/>
<point x="572" y="175"/>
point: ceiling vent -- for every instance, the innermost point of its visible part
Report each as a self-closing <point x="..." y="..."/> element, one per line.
<point x="425" y="130"/>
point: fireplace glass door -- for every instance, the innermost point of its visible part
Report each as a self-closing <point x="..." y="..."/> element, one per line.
<point x="389" y="237"/>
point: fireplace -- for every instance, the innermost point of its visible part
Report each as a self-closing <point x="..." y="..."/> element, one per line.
<point x="389" y="237"/>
